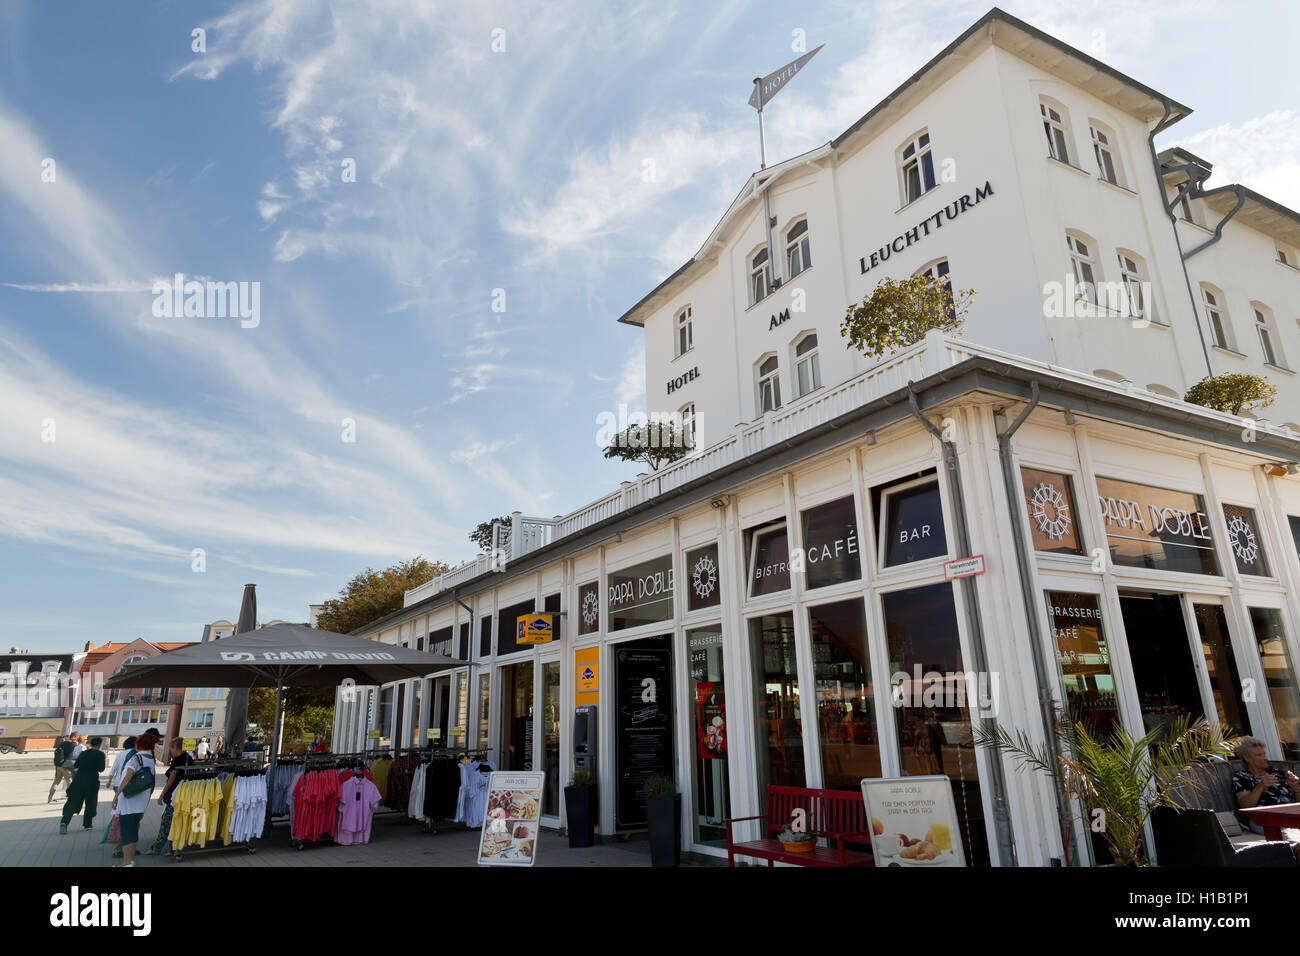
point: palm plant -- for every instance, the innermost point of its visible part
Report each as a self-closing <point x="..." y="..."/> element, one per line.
<point x="1119" y="779"/>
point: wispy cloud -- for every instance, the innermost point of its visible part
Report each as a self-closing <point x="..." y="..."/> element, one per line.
<point x="1262" y="153"/>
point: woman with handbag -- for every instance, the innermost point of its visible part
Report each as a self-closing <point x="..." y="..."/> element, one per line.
<point x="132" y="796"/>
<point x="114" y="832"/>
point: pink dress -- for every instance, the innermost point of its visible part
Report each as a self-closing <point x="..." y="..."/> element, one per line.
<point x="358" y="798"/>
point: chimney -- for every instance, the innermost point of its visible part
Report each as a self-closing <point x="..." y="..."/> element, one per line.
<point x="88" y="646"/>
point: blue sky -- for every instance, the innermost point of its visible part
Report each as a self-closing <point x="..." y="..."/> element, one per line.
<point x="476" y="170"/>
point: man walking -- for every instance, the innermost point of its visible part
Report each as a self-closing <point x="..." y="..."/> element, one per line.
<point x="84" y="789"/>
<point x="63" y="748"/>
<point x="201" y="750"/>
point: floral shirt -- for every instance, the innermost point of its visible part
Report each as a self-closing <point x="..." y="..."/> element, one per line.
<point x="1243" y="781"/>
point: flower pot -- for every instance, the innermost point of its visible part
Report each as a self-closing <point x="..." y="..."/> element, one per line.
<point x="804" y="846"/>
<point x="664" y="814"/>
<point x="580" y="815"/>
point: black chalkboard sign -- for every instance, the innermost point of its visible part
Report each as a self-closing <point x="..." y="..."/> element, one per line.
<point x="643" y="722"/>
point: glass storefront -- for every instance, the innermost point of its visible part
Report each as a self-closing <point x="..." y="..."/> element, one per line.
<point x="1156" y="528"/>
<point x="484" y="715"/>
<point x="516" y="717"/>
<point x="932" y="714"/>
<point x="830" y="542"/>
<point x="417" y="693"/>
<point x="1280" y="676"/>
<point x="1225" y="681"/>
<point x="550" y="730"/>
<point x="709" y="735"/>
<point x="846" y="712"/>
<point x="910" y="521"/>
<point x="1083" y="660"/>
<point x="778" y="727"/>
<point x="459" y="710"/>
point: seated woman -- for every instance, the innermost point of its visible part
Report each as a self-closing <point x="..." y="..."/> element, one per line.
<point x="1261" y="785"/>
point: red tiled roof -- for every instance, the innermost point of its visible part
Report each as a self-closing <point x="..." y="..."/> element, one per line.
<point x="106" y="650"/>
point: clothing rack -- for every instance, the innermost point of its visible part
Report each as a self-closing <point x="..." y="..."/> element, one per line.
<point x="200" y="770"/>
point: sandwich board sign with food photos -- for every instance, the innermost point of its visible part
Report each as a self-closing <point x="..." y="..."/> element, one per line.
<point x="913" y="821"/>
<point x="514" y="815"/>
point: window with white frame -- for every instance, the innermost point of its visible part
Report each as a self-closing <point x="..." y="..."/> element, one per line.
<point x="1268" y="340"/>
<point x="918" y="168"/>
<point x="1103" y="148"/>
<point x="769" y="385"/>
<point x="1216" y="316"/>
<point x="938" y="271"/>
<point x="798" y="253"/>
<point x="1084" y="265"/>
<point x="685" y="339"/>
<point x="760" y="277"/>
<point x="687" y="414"/>
<point x="1056" y="124"/>
<point x="1132" y="272"/>
<point x="807" y="365"/>
<point x="200" y="719"/>
<point x="1286" y="257"/>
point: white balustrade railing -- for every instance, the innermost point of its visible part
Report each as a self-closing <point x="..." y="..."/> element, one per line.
<point x="934" y="354"/>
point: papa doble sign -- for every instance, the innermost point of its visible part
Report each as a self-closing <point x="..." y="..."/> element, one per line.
<point x="535" y="628"/>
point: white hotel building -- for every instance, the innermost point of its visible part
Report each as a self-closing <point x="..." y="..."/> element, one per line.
<point x="1140" y="553"/>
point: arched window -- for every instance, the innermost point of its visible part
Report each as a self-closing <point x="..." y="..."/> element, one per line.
<point x="1056" y="124"/>
<point x="807" y="365"/>
<point x="798" y="253"/>
<point x="760" y="276"/>
<point x="1083" y="263"/>
<point x="916" y="163"/>
<point x="938" y="271"/>
<point x="1268" y="338"/>
<point x="685" y="338"/>
<point x="1106" y="152"/>
<point x="1133" y="273"/>
<point x="1216" y="316"/>
<point x="769" y="385"/>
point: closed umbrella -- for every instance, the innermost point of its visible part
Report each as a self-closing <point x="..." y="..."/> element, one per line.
<point x="237" y="702"/>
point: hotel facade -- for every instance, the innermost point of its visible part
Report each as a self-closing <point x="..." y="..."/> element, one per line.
<point x="786" y="596"/>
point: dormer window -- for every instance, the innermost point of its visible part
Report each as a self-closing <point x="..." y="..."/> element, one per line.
<point x="918" y="168"/>
<point x="798" y="254"/>
<point x="685" y="339"/>
<point x="760" y="277"/>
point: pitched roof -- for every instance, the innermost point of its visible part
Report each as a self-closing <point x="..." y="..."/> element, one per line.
<point x="97" y="654"/>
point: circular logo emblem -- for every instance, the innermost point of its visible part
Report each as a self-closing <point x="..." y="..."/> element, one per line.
<point x="590" y="608"/>
<point x="704" y="577"/>
<point x="1050" y="511"/>
<point x="1243" y="540"/>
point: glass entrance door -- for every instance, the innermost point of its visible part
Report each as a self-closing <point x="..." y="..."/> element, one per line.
<point x="709" y="786"/>
<point x="1221" y="668"/>
<point x="517" y="716"/>
<point x="1161" y="654"/>
<point x="550" y="731"/>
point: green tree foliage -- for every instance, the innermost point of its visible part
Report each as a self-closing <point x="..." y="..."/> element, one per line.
<point x="307" y="711"/>
<point x="898" y="312"/>
<point x="659" y="442"/>
<point x="1232" y="392"/>
<point x="371" y="594"/>
<point x="482" y="535"/>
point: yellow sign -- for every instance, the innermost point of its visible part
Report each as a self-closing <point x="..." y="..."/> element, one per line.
<point x="536" y="628"/>
<point x="374" y="735"/>
<point x="587" y="668"/>
<point x="432" y="733"/>
<point x="189" y="743"/>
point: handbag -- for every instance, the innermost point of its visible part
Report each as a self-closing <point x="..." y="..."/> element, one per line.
<point x="113" y="832"/>
<point x="140" y="781"/>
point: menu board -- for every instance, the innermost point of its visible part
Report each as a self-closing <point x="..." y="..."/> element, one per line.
<point x="643" y="723"/>
<point x="514" y="813"/>
<point x="913" y="821"/>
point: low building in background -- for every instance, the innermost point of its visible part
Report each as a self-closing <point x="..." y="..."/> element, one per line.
<point x="33" y="697"/>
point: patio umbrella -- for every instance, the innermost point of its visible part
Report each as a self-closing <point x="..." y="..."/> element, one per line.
<point x="237" y="702"/>
<point x="280" y="656"/>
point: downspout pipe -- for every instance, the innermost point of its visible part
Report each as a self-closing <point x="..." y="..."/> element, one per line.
<point x="1042" y="675"/>
<point x="1156" y="130"/>
<point x="1001" y="816"/>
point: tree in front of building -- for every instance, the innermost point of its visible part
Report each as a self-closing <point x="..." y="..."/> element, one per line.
<point x="307" y="711"/>
<point x="1232" y="392"/>
<point x="482" y="535"/>
<point x="898" y="312"/>
<point x="658" y="442"/>
<point x="371" y="594"/>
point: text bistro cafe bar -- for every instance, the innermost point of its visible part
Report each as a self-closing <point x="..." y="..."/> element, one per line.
<point x="790" y="620"/>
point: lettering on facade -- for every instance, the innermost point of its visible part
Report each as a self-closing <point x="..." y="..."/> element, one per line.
<point x="683" y="379"/>
<point x="778" y="319"/>
<point x="922" y="229"/>
<point x="913" y="534"/>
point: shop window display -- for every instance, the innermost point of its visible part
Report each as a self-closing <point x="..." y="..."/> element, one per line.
<point x="846" y="710"/>
<point x="778" y="726"/>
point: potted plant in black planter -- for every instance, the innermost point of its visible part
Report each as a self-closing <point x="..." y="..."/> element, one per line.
<point x="580" y="809"/>
<point x="663" y="806"/>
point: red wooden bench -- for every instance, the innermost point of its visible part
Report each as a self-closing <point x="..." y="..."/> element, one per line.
<point x="840" y="816"/>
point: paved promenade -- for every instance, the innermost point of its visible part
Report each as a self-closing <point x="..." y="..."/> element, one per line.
<point x="29" y="836"/>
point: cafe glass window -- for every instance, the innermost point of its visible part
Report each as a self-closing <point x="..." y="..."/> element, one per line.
<point x="910" y="521"/>
<point x="484" y="695"/>
<point x="704" y="585"/>
<point x="769" y="560"/>
<point x="933" y="713"/>
<point x="709" y="733"/>
<point x="589" y="608"/>
<point x="462" y="651"/>
<point x="1221" y="666"/>
<point x="830" y="541"/>
<point x="506" y="631"/>
<point x="641" y="594"/>
<point x="485" y="636"/>
<point x="1155" y="528"/>
<point x="416" y="693"/>
<point x="1083" y="660"/>
<point x="460" y="708"/>
<point x="1244" y="540"/>
<point x="1049" y="499"/>
<point x="846" y="711"/>
<point x="1280" y="677"/>
<point x="778" y="727"/>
